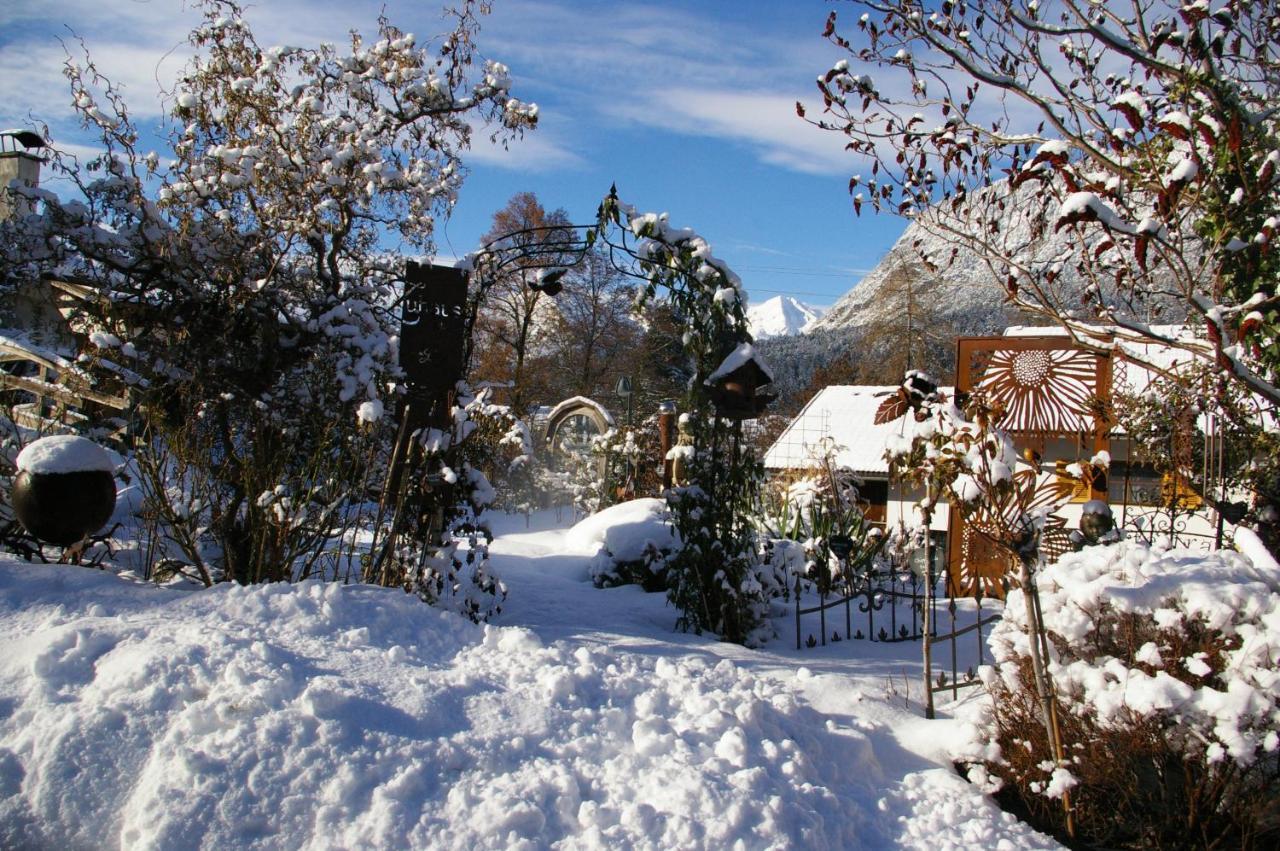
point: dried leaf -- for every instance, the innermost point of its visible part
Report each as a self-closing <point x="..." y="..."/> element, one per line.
<point x="891" y="409"/>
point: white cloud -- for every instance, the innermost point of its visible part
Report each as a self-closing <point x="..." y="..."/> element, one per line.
<point x="142" y="46"/>
<point x="764" y="122"/>
<point x="538" y="151"/>
<point x="677" y="71"/>
<point x="669" y="68"/>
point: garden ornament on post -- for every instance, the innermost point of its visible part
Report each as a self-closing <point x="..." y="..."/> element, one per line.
<point x="666" y="439"/>
<point x="680" y="454"/>
<point x="735" y="385"/>
<point x="65" y="489"/>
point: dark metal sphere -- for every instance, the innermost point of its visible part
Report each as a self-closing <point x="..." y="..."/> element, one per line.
<point x="61" y="508"/>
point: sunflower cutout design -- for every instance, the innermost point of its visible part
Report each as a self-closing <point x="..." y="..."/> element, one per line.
<point x="1042" y="391"/>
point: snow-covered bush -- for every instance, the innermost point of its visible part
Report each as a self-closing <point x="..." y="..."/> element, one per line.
<point x="501" y="445"/>
<point x="633" y="541"/>
<point x="1165" y="666"/>
<point x="619" y="465"/>
<point x="242" y="277"/>
<point x="437" y="545"/>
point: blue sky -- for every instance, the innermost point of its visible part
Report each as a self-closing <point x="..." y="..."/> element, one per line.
<point x="688" y="107"/>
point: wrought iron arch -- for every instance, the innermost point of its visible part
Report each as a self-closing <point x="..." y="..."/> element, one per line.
<point x="577" y="406"/>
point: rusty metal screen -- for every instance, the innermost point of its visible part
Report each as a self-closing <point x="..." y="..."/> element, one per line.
<point x="1049" y="387"/>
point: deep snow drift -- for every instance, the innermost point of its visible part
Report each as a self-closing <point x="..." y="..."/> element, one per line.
<point x="329" y="716"/>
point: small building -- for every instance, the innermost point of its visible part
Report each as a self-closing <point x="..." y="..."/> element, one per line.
<point x="43" y="385"/>
<point x="1057" y="395"/>
<point x="838" y="424"/>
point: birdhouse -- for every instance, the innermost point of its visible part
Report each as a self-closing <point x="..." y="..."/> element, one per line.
<point x="736" y="383"/>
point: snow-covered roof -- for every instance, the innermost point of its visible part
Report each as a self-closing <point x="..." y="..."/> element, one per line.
<point x="846" y="415"/>
<point x="575" y="402"/>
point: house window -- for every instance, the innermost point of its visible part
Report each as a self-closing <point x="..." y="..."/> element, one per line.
<point x="874" y="493"/>
<point x="1134" y="484"/>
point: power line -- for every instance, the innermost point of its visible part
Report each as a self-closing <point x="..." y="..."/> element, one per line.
<point x="791" y="292"/>
<point x="830" y="272"/>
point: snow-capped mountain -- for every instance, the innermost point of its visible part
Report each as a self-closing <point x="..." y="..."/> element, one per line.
<point x="965" y="294"/>
<point x="962" y="291"/>
<point x="781" y="316"/>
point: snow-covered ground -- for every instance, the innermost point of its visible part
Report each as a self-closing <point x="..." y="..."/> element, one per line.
<point x="329" y="716"/>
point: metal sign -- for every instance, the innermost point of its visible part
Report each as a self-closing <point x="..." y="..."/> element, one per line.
<point x="432" y="340"/>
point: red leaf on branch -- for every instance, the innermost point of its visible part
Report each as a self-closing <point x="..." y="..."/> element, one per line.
<point x="1140" y="244"/>
<point x="892" y="408"/>
<point x="1174" y="129"/>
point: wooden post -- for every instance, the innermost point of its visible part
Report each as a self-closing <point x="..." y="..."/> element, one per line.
<point x="1039" y="662"/>
<point x="390" y="490"/>
<point x="666" y="439"/>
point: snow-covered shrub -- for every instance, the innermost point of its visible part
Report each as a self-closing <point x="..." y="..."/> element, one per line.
<point x="719" y="578"/>
<point x="590" y="470"/>
<point x="807" y="512"/>
<point x="454" y="574"/>
<point x="284" y="507"/>
<point x="1165" y="668"/>
<point x="500" y="445"/>
<point x="618" y="465"/>
<point x="634" y="539"/>
<point x="648" y="569"/>
<point x="242" y="275"/>
<point x="438" y="546"/>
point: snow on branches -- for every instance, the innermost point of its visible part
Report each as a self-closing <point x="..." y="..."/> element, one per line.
<point x="290" y="167"/>
<point x="1152" y="135"/>
<point x="243" y="279"/>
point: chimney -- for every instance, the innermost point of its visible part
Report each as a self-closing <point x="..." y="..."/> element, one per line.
<point x="18" y="163"/>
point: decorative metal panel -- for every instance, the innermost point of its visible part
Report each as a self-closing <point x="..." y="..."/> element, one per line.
<point x="1046" y="385"/>
<point x="432" y="339"/>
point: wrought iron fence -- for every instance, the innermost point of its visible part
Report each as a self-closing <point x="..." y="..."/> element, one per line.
<point x="890" y="607"/>
<point x="900" y="592"/>
<point x="952" y="639"/>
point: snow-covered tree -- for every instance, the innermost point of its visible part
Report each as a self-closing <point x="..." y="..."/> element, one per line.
<point x="715" y="578"/>
<point x="1150" y="129"/>
<point x="243" y="277"/>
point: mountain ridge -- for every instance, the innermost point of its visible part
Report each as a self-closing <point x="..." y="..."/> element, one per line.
<point x="964" y="293"/>
<point x="781" y="316"/>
